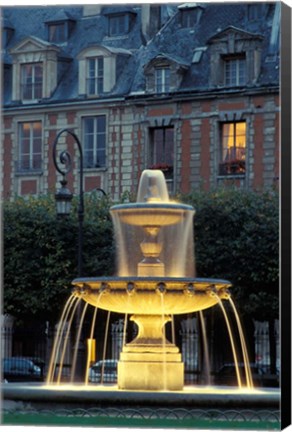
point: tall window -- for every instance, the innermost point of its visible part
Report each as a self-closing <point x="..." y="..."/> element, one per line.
<point x="233" y="148"/>
<point x="94" y="138"/>
<point x="30" y="146"/>
<point x="95" y="75"/>
<point x="161" y="150"/>
<point x="32" y="81"/>
<point x="235" y="70"/>
<point x="162" y="80"/>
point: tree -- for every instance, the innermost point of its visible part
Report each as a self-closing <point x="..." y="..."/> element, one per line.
<point x="237" y="238"/>
<point x="40" y="254"/>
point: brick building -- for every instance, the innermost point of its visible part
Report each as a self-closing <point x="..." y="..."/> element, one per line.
<point x="190" y="88"/>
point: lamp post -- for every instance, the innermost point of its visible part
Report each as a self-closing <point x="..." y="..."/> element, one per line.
<point x="63" y="196"/>
<point x="63" y="206"/>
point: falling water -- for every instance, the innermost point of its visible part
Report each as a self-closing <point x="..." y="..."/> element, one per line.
<point x="206" y="350"/>
<point x="59" y="334"/>
<point x="105" y="344"/>
<point x="80" y="324"/>
<point x="249" y="381"/>
<point x="231" y="340"/>
<point x="89" y="355"/>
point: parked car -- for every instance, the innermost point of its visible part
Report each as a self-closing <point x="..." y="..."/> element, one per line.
<point x="103" y="371"/>
<point x="20" y="369"/>
<point x="226" y="375"/>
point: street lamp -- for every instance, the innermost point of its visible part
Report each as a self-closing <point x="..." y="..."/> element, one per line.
<point x="63" y="196"/>
<point x="63" y="206"/>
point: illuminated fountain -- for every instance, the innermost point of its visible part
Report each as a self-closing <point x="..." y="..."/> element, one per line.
<point x="155" y="281"/>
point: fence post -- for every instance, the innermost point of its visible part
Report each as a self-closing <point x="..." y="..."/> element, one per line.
<point x="7" y="322"/>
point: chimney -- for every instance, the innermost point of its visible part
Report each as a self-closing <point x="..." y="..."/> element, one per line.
<point x="151" y="20"/>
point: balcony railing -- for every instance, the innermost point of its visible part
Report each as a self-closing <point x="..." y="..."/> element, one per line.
<point x="234" y="162"/>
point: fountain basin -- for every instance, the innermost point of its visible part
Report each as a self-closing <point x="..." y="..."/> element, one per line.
<point x="136" y="295"/>
<point x="152" y="213"/>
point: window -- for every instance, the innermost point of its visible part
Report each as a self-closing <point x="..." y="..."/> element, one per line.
<point x="255" y="11"/>
<point x="235" y="71"/>
<point x="32" y="81"/>
<point x="190" y="17"/>
<point x="233" y="148"/>
<point x="30" y="146"/>
<point x="57" y="33"/>
<point x="118" y="25"/>
<point x="94" y="138"/>
<point x="95" y="70"/>
<point x="162" y="80"/>
<point x="161" y="150"/>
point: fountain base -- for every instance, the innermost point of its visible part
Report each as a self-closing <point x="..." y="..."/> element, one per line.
<point x="150" y="361"/>
<point x="150" y="371"/>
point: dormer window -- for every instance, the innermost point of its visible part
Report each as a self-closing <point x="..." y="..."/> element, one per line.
<point x="60" y="27"/>
<point x="118" y="25"/>
<point x="7" y="33"/>
<point x="120" y="20"/>
<point x="98" y="69"/>
<point x="164" y="74"/>
<point x="190" y="15"/>
<point x="255" y="11"/>
<point x="231" y="50"/>
<point x="95" y="75"/>
<point x="57" y="33"/>
<point x="235" y="70"/>
<point x="32" y="81"/>
<point x="162" y="80"/>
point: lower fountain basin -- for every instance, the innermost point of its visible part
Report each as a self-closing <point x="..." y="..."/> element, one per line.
<point x="136" y="295"/>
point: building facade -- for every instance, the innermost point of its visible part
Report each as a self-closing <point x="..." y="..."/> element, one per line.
<point x="192" y="89"/>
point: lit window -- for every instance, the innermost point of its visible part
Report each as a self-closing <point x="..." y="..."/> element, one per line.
<point x="94" y="138"/>
<point x="235" y="71"/>
<point x="57" y="32"/>
<point x="233" y="148"/>
<point x="32" y="81"/>
<point x="161" y="150"/>
<point x="30" y="146"/>
<point x="162" y="80"/>
<point x="95" y="75"/>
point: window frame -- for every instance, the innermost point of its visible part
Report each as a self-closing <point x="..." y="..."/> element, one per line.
<point x="31" y="159"/>
<point x="91" y="162"/>
<point x="232" y="159"/>
<point x="165" y="162"/>
<point x="162" y="79"/>
<point x="58" y="38"/>
<point x="34" y="86"/>
<point x="114" y="24"/>
<point x="235" y="63"/>
<point x="97" y="79"/>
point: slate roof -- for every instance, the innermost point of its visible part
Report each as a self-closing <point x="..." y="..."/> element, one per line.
<point x="172" y="40"/>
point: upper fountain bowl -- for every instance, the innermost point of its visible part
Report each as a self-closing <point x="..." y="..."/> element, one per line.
<point x="151" y="213"/>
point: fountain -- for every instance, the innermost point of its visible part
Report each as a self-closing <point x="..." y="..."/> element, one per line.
<point x="155" y="280"/>
<point x="142" y="289"/>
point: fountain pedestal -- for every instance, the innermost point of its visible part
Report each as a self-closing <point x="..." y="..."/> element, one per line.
<point x="150" y="361"/>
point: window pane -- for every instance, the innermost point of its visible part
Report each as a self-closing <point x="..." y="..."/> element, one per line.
<point x="233" y="148"/>
<point x="161" y="149"/>
<point x="94" y="141"/>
